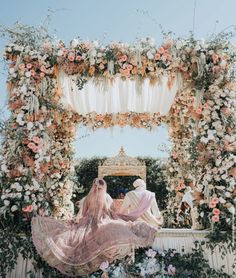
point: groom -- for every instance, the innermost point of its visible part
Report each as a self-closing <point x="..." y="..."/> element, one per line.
<point x="142" y="200"/>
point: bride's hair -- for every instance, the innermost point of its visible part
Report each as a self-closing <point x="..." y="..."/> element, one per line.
<point x="95" y="205"/>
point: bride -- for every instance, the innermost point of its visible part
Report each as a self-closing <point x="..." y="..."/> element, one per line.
<point x="97" y="234"/>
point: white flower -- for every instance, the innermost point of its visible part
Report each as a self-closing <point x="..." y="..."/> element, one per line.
<point x="14" y="208"/>
<point x="150" y="253"/>
<point x="19" y="188"/>
<point x="60" y="53"/>
<point x="222" y="201"/>
<point x="150" y="55"/>
<point x="29" y="125"/>
<point x="227" y="194"/>
<point x="231" y="209"/>
<point x="4" y="168"/>
<point x="11" y="70"/>
<point x="204" y="140"/>
<point x="74" y="43"/>
<point x="28" y="74"/>
<point x="6" y="203"/>
<point x="179" y="44"/>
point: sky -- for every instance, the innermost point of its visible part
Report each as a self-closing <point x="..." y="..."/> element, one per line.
<point x="117" y="20"/>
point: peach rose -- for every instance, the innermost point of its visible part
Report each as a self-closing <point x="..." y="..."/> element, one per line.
<point x="43" y="69"/>
<point x="21" y="66"/>
<point x="157" y="56"/>
<point x="226" y="111"/>
<point x="232" y="171"/>
<point x="161" y="50"/>
<point x="129" y="67"/>
<point x="215" y="218"/>
<point x="33" y="73"/>
<point x="215" y="58"/>
<point x="124" y="58"/>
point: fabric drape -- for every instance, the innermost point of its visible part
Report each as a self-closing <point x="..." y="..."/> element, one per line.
<point x="118" y="95"/>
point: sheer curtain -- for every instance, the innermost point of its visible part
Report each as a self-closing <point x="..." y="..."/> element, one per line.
<point x="119" y="96"/>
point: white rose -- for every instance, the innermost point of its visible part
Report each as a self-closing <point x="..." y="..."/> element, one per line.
<point x="11" y="70"/>
<point x="150" y="55"/>
<point x="6" y="203"/>
<point x="178" y="44"/>
<point x="14" y="208"/>
<point x="60" y="53"/>
<point x="4" y="168"/>
<point x="222" y="201"/>
<point x="74" y="43"/>
<point x="231" y="209"/>
<point x="227" y="194"/>
<point x="29" y="125"/>
<point x="19" y="188"/>
<point x="28" y="74"/>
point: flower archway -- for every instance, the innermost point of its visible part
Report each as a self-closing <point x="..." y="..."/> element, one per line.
<point x="37" y="148"/>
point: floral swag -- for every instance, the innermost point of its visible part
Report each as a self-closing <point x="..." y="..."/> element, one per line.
<point x="37" y="151"/>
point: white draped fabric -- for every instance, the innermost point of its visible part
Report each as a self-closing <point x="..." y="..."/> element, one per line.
<point x="166" y="239"/>
<point x="119" y="96"/>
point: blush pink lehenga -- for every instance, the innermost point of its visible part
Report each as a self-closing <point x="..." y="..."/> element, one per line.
<point x="98" y="234"/>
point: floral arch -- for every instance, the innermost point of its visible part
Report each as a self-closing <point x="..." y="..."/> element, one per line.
<point x="37" y="148"/>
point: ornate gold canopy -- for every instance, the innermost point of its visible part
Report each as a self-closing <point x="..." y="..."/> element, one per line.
<point x="122" y="165"/>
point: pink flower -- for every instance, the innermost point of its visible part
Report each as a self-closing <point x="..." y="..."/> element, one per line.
<point x="124" y="58"/>
<point x="21" y="66"/>
<point x="129" y="67"/>
<point x="78" y="58"/>
<point x="31" y="146"/>
<point x="215" y="200"/>
<point x="71" y="56"/>
<point x="212" y="205"/>
<point x="104" y="265"/>
<point x="36" y="139"/>
<point x="215" y="58"/>
<point x="126" y="72"/>
<point x="43" y="69"/>
<point x="174" y="155"/>
<point x="171" y="269"/>
<point x="150" y="253"/>
<point x="199" y="110"/>
<point x="216" y="211"/>
<point x="28" y="208"/>
<point x="33" y="73"/>
<point x="42" y="74"/>
<point x="29" y="66"/>
<point x="215" y="218"/>
<point x="35" y="149"/>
